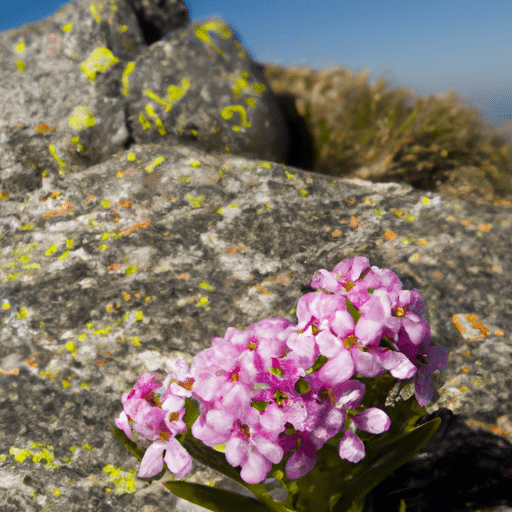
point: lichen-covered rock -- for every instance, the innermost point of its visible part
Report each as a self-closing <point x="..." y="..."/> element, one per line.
<point x="384" y="134"/>
<point x="72" y="81"/>
<point x="119" y="269"/>
<point x="222" y="100"/>
<point x="61" y="107"/>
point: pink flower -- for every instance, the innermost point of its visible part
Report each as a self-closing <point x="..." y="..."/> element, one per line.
<point x="371" y="420"/>
<point x="343" y="276"/>
<point x="326" y="410"/>
<point x="229" y="369"/>
<point x="177" y="459"/>
<point x="430" y="359"/>
<point x="154" y="424"/>
<point x="179" y="382"/>
<point x="249" y="444"/>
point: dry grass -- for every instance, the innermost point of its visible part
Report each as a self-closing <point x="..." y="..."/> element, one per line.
<point x="384" y="133"/>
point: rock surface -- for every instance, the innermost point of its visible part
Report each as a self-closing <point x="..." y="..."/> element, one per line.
<point x="141" y="254"/>
<point x="82" y="85"/>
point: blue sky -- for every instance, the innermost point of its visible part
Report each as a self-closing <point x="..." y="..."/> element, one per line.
<point x="433" y="46"/>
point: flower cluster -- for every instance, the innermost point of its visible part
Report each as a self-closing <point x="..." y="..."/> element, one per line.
<point x="278" y="391"/>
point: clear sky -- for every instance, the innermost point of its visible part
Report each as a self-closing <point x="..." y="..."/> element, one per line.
<point x="432" y="46"/>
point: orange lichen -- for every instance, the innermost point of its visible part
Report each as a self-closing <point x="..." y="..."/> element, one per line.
<point x="493" y="428"/>
<point x="59" y="211"/>
<point x="390" y="235"/>
<point x="485" y="227"/>
<point x="354" y="223"/>
<point x="477" y="325"/>
<point x="15" y="371"/>
<point x="114" y="266"/>
<point x="458" y="325"/>
<point x="135" y="227"/>
<point x="44" y="128"/>
<point x="126" y="204"/>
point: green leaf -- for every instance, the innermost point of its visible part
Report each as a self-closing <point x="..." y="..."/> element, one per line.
<point x="128" y="444"/>
<point x="217" y="460"/>
<point x="302" y="386"/>
<point x="356" y="314"/>
<point x="214" y="499"/>
<point x="191" y="413"/>
<point x="319" y="362"/>
<point x="259" y="405"/>
<point x="380" y="463"/>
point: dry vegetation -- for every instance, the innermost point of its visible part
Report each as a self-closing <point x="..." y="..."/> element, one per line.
<point x="382" y="133"/>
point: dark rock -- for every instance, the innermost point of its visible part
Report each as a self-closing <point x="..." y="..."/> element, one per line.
<point x="80" y="83"/>
<point x="460" y="468"/>
<point x="158" y="17"/>
<point x="221" y="102"/>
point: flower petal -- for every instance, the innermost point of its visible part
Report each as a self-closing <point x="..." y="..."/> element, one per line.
<point x="178" y="460"/>
<point x="152" y="462"/>
<point x="338" y="369"/>
<point x="256" y="468"/>
<point x="351" y="447"/>
<point x="373" y="420"/>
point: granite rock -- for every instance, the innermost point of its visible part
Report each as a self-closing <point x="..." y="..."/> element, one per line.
<point x="123" y="267"/>
<point x="83" y="84"/>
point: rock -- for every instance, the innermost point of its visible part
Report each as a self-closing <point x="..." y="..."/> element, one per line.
<point x="118" y="269"/>
<point x="80" y="89"/>
<point x="382" y="134"/>
<point x="129" y="257"/>
<point x="158" y="17"/>
<point x="459" y="468"/>
<point x="221" y="102"/>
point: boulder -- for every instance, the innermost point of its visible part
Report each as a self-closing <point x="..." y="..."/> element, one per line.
<point x="82" y="85"/>
<point x="141" y="249"/>
<point x="376" y="132"/>
<point x="119" y="269"/>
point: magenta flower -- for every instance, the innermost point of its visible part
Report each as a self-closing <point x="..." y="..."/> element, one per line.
<point x="154" y="424"/>
<point x="326" y="409"/>
<point x="371" y="420"/>
<point x="429" y="359"/>
<point x="248" y="443"/>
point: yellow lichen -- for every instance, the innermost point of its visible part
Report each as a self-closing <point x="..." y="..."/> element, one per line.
<point x="126" y="73"/>
<point x="123" y="480"/>
<point x="195" y="202"/>
<point x="81" y="118"/>
<point x="51" y="149"/>
<point x="156" y="162"/>
<point x="98" y="62"/>
<point x="228" y="112"/>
